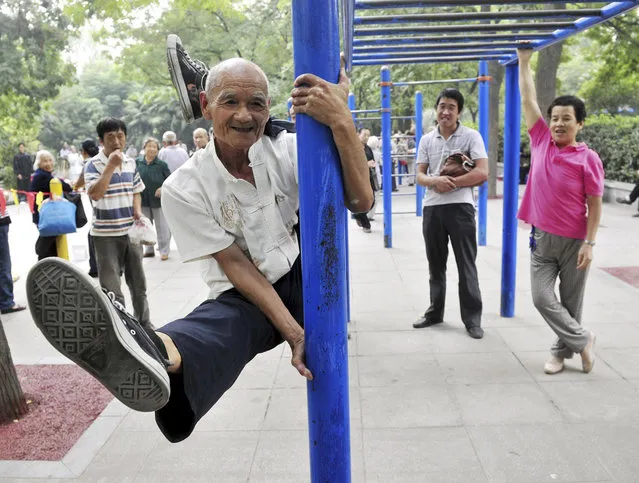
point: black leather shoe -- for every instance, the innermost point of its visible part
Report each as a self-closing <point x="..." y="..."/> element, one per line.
<point x="475" y="332"/>
<point x="423" y="322"/>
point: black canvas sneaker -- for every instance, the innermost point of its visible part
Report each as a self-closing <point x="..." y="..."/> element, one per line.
<point x="94" y="331"/>
<point x="188" y="77"/>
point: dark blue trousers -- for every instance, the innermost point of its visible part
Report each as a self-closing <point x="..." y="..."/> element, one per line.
<point x="216" y="341"/>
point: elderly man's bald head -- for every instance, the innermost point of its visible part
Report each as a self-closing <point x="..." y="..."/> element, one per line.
<point x="232" y="67"/>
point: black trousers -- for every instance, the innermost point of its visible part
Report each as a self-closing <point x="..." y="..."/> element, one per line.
<point x="635" y="193"/>
<point x="216" y="341"/>
<point x="23" y="185"/>
<point x="455" y="221"/>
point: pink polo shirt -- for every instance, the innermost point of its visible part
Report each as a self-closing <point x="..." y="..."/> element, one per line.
<point x="559" y="180"/>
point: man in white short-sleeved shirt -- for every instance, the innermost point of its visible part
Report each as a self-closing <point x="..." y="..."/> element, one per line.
<point x="233" y="207"/>
<point x="449" y="211"/>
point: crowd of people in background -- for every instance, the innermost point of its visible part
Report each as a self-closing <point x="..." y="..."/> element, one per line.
<point x="80" y="170"/>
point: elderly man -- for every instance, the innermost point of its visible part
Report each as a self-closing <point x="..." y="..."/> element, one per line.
<point x="233" y="206"/>
<point x="200" y="138"/>
<point x="172" y="154"/>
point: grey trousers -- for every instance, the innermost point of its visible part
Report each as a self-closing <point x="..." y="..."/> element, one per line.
<point x="161" y="228"/>
<point x="556" y="256"/>
<point x="116" y="254"/>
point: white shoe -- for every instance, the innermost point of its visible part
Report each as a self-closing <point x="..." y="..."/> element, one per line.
<point x="554" y="365"/>
<point x="588" y="354"/>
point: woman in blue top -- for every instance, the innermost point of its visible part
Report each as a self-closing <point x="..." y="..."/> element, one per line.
<point x="45" y="245"/>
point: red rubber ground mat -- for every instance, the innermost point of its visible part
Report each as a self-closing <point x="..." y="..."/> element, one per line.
<point x="65" y="400"/>
<point x="629" y="275"/>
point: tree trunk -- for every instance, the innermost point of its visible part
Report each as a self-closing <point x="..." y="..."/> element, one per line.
<point x="496" y="71"/>
<point x="12" y="401"/>
<point x="546" y="74"/>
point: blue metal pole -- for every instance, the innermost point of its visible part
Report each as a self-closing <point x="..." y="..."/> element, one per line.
<point x="512" y="120"/>
<point x="322" y="224"/>
<point x="289" y="104"/>
<point x="351" y="106"/>
<point x="419" y="109"/>
<point x="386" y="156"/>
<point x="484" y="120"/>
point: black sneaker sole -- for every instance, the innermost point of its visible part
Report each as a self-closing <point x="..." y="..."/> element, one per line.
<point x="178" y="82"/>
<point x="78" y="319"/>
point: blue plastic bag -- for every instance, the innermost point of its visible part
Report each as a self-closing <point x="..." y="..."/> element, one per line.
<point x="57" y="218"/>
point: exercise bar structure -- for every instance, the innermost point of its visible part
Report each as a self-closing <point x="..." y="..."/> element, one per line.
<point x="377" y="33"/>
<point x="382" y="36"/>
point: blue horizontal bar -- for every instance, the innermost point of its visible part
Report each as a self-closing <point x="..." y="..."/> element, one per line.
<point x="612" y="10"/>
<point x="359" y="119"/>
<point x="426" y="60"/>
<point x="453" y="28"/>
<point x="364" y="111"/>
<point x="436" y="47"/>
<point x="385" y="55"/>
<point x="466" y="16"/>
<point x="452" y="38"/>
<point x="424" y="82"/>
<point x="381" y="4"/>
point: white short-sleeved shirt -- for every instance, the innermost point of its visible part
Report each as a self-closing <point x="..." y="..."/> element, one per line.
<point x="434" y="149"/>
<point x="208" y="210"/>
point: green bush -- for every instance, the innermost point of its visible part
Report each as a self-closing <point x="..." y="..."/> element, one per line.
<point x="616" y="139"/>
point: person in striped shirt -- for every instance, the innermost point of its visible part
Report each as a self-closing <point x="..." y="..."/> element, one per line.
<point x="114" y="184"/>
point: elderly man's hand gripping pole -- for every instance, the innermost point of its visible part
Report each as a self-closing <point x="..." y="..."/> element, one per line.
<point x="327" y="103"/>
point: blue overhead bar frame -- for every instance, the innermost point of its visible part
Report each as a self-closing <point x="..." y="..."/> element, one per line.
<point x="323" y="248"/>
<point x="388" y="36"/>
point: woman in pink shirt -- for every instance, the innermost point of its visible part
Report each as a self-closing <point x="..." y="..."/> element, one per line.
<point x="562" y="202"/>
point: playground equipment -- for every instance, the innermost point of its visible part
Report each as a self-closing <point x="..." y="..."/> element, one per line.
<point x="429" y="38"/>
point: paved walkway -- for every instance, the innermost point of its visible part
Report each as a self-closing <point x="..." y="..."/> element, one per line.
<point x="429" y="405"/>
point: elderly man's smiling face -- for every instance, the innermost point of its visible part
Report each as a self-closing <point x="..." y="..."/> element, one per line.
<point x="238" y="104"/>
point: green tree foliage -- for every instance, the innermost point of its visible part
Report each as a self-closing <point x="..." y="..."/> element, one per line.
<point x="615" y="84"/>
<point x="33" y="34"/>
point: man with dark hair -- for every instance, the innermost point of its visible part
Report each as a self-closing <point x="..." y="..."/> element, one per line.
<point x="114" y="185"/>
<point x="449" y="211"/>
<point x="22" y="169"/>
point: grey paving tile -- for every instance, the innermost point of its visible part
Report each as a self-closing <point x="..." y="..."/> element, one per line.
<point x="417" y="406"/>
<point x="623" y="361"/>
<point x="387" y="320"/>
<point x="288" y="410"/>
<point x="122" y="457"/>
<point x="615" y="446"/>
<point x="204" y="456"/>
<point x="87" y="446"/>
<point x="136" y="421"/>
<point x="237" y="409"/>
<point x="443" y="455"/>
<point x="536" y="453"/>
<point x="36" y="469"/>
<point x="401" y="370"/>
<point x="281" y="456"/>
<point x="258" y="374"/>
<point x="394" y="342"/>
<point x="595" y="401"/>
<point x="527" y="338"/>
<point x="534" y="363"/>
<point x="616" y="335"/>
<point x="497" y="367"/>
<point x="447" y="340"/>
<point x="493" y="404"/>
